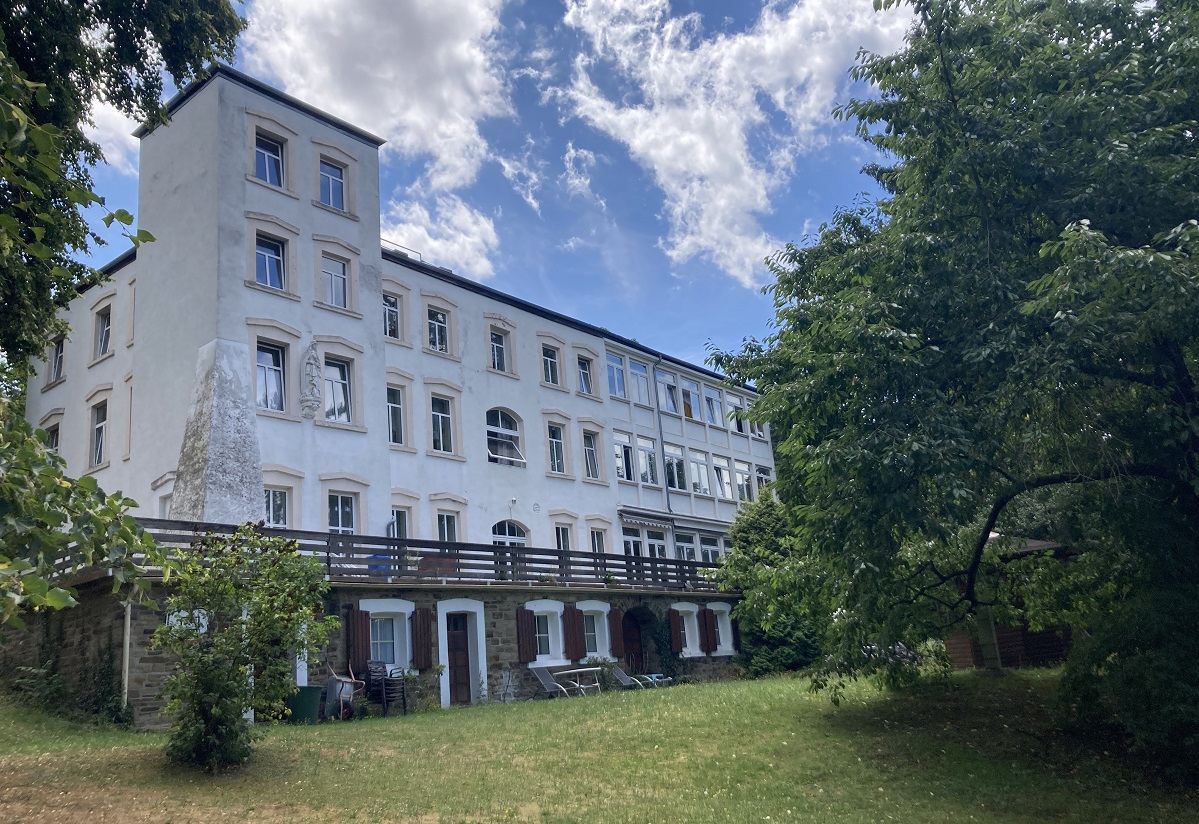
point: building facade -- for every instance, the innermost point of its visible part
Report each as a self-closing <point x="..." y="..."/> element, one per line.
<point x="271" y="357"/>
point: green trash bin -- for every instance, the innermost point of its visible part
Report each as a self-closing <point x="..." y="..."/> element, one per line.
<point x="305" y="705"/>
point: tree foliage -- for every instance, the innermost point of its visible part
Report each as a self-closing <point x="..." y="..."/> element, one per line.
<point x="1005" y="344"/>
<point x="242" y="605"/>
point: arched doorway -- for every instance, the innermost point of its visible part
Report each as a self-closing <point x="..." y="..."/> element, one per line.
<point x="637" y="628"/>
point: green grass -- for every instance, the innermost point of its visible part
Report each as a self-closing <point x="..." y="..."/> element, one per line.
<point x="736" y="751"/>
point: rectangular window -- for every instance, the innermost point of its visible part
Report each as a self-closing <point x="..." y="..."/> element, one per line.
<point x="557" y="445"/>
<point x="57" y="354"/>
<point x="713" y="407"/>
<point x="103" y="332"/>
<point x="391" y="317"/>
<point x="623" y="456"/>
<point x="709" y="549"/>
<point x="668" y="393"/>
<point x="590" y="637"/>
<point x="541" y="623"/>
<point x="270" y="377"/>
<point x="337" y="391"/>
<point x="655" y="543"/>
<point x="616" y="376"/>
<point x="336" y="284"/>
<point x="398" y="526"/>
<point x="395" y="415"/>
<point x="499" y="350"/>
<point x="268" y="263"/>
<point x="597" y="541"/>
<point x="757" y="429"/>
<point x="590" y="456"/>
<point x="735" y="414"/>
<point x="341" y="513"/>
<point x="699" y="473"/>
<point x="268" y="160"/>
<point x="333" y="185"/>
<point x="52" y="435"/>
<point x="684" y="547"/>
<point x="275" y="503"/>
<point x="763" y="478"/>
<point x="673" y="465"/>
<point x="99" y="430"/>
<point x="632" y="541"/>
<point x="585" y="386"/>
<point x="745" y="487"/>
<point x="439" y="330"/>
<point x="691" y="400"/>
<point x="562" y="537"/>
<point x="683" y="630"/>
<point x="647" y="461"/>
<point x="722" y="477"/>
<point x="639" y="378"/>
<point x="447" y="527"/>
<point x="443" y="432"/>
<point x="383" y="639"/>
<point x="549" y="365"/>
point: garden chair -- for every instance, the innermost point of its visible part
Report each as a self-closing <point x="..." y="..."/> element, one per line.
<point x="626" y="681"/>
<point x="385" y="689"/>
<point x="549" y="687"/>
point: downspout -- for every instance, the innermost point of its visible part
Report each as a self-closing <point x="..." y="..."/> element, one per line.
<point x="125" y="654"/>
<point x="662" y="440"/>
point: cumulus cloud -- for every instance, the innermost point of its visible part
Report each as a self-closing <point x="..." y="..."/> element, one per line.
<point x="114" y="132"/>
<point x="453" y="234"/>
<point x="718" y="121"/>
<point x="423" y="75"/>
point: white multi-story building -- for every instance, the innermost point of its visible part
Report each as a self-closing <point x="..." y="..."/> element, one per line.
<point x="268" y="356"/>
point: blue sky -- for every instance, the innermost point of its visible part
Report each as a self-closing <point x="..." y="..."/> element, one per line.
<point x="628" y="162"/>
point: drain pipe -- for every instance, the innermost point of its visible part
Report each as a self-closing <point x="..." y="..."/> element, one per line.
<point x="125" y="655"/>
<point x="662" y="438"/>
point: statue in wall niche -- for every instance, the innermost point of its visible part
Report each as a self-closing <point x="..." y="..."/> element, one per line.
<point x="310" y="395"/>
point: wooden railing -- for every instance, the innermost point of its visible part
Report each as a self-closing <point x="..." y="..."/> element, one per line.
<point x="378" y="559"/>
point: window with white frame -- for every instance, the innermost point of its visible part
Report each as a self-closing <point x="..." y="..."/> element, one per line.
<point x="599" y="541"/>
<point x="270" y="377"/>
<point x="723" y="625"/>
<point x="99" y="450"/>
<point x="335" y="282"/>
<point x="342" y="509"/>
<point x="684" y="546"/>
<point x="397" y="527"/>
<point x="338" y="401"/>
<point x="439" y="330"/>
<point x="745" y="487"/>
<point x="757" y="429"/>
<point x="447" y="526"/>
<point x="442" y="421"/>
<point x="713" y="407"/>
<point x="722" y="475"/>
<point x="269" y="268"/>
<point x="547" y="632"/>
<point x="623" y="456"/>
<point x="392" y="327"/>
<point x="691" y="399"/>
<point x="391" y="633"/>
<point x="52" y="436"/>
<point x="542" y="634"/>
<point x="556" y="441"/>
<point x="499" y="350"/>
<point x="395" y="415"/>
<point x="709" y="549"/>
<point x="268" y="160"/>
<point x="639" y="382"/>
<point x="591" y="460"/>
<point x="647" y="461"/>
<point x="633" y="546"/>
<point x="655" y="543"/>
<point x="508" y="533"/>
<point x="57" y="357"/>
<point x="103" y="338"/>
<point x="585" y="384"/>
<point x="383" y="639"/>
<point x="549" y="366"/>
<point x="688" y="628"/>
<point x="674" y="467"/>
<point x="616" y="387"/>
<point x="562" y="537"/>
<point x="596" y="642"/>
<point x="699" y="473"/>
<point x="503" y="438"/>
<point x="668" y="392"/>
<point x="763" y="478"/>
<point x="590" y="637"/>
<point x="275" y="507"/>
<point x="737" y="414"/>
<point x="333" y="185"/>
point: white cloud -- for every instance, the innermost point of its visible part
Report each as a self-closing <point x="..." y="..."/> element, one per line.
<point x="420" y="74"/>
<point x="453" y="235"/>
<point x="524" y="173"/>
<point x="718" y="121"/>
<point x="114" y="132"/>
<point x="576" y="178"/>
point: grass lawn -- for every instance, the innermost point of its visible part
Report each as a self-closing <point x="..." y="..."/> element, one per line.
<point x="738" y="751"/>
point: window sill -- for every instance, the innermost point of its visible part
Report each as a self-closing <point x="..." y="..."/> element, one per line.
<point x="271" y="187"/>
<point x="696" y="421"/>
<point x="440" y="354"/>
<point x="591" y="396"/>
<point x="689" y="653"/>
<point x="399" y="447"/>
<point x="101" y="358"/>
<point x="449" y="456"/>
<point x="551" y="662"/>
<point x="92" y="469"/>
<point x="277" y="415"/>
<point x="675" y="491"/>
<point x="626" y="482"/>
<point x="668" y="413"/>
<point x="253" y="284"/>
<point x="723" y="653"/>
<point x="557" y="387"/>
<point x="129" y="343"/>
<point x="707" y="496"/>
<point x="397" y="342"/>
<point x="334" y="210"/>
<point x="341" y="310"/>
<point x="562" y="475"/>
<point x="54" y="383"/>
<point x="511" y="375"/>
<point x="643" y="405"/>
<point x="648" y="485"/>
<point x="346" y="427"/>
<point x="612" y="397"/>
<point x="596" y="481"/>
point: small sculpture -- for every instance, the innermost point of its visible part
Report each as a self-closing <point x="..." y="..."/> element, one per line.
<point x="310" y="396"/>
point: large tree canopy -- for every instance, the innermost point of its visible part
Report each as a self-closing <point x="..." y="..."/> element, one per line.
<point x="1007" y="343"/>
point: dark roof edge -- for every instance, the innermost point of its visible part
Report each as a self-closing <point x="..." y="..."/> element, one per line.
<point x="532" y="308"/>
<point x="221" y="70"/>
<point x="113" y="266"/>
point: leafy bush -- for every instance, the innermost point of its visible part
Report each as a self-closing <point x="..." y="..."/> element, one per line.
<point x="786" y="644"/>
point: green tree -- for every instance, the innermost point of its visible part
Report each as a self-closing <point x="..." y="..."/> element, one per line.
<point x="242" y="605"/>
<point x="1006" y="343"/>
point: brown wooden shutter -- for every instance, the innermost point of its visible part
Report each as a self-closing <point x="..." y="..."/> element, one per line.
<point x="736" y="634"/>
<point x="707" y="630"/>
<point x="422" y="638"/>
<point x="526" y="636"/>
<point x="572" y="633"/>
<point x="358" y="640"/>
<point x="676" y="631"/>
<point x="616" y="632"/>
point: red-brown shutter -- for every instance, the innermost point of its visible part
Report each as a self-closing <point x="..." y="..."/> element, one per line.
<point x="526" y="636"/>
<point x="422" y="638"/>
<point x="676" y="631"/>
<point x="616" y="632"/>
<point x="572" y="634"/>
<point x="707" y="630"/>
<point x="358" y="640"/>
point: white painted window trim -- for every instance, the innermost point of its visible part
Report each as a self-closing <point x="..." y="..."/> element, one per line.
<point x="394" y="608"/>
<point x="724" y="622"/>
<point x="553" y="609"/>
<point x="689" y="615"/>
<point x="603" y="639"/>
<point x="478" y="686"/>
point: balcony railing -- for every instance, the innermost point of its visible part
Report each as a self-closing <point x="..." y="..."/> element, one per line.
<point x="379" y="559"/>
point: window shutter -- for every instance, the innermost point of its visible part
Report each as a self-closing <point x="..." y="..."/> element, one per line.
<point x="572" y="634"/>
<point x="616" y="632"/>
<point x="736" y="634"/>
<point x="358" y="640"/>
<point x="707" y="630"/>
<point x="676" y="632"/>
<point x="422" y="638"/>
<point x="526" y="636"/>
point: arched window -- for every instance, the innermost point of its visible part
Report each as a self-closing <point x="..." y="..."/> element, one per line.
<point x="503" y="438"/>
<point x="507" y="533"/>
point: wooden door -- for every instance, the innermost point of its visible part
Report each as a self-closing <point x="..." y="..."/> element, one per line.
<point x="458" y="646"/>
<point x="634" y="653"/>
